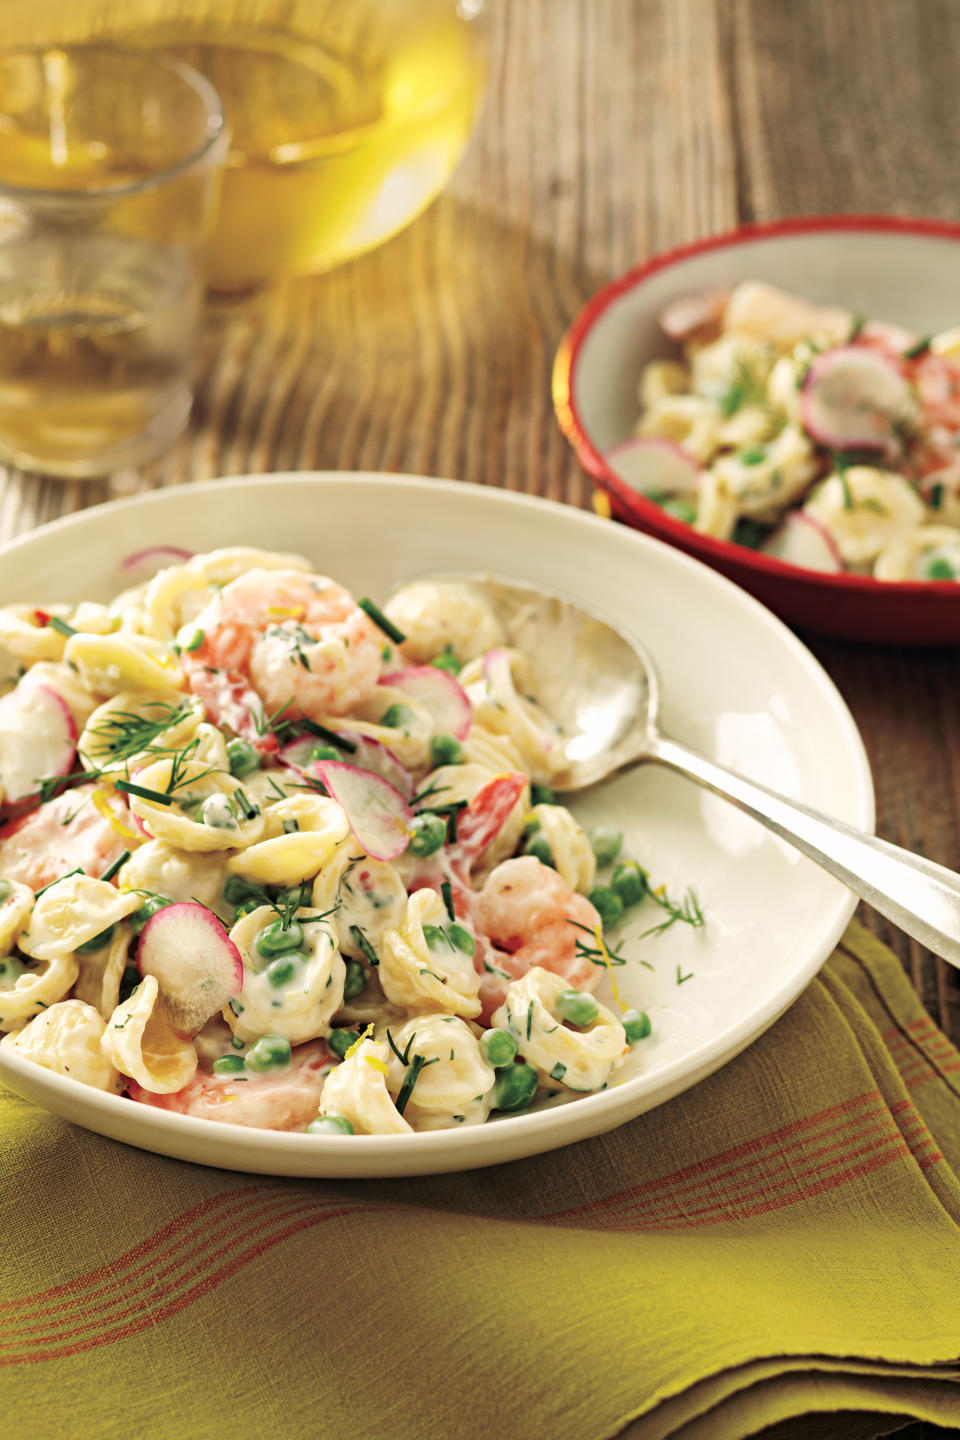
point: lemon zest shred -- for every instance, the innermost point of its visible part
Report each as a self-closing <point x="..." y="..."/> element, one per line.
<point x="365" y="1035"/>
<point x="287" y="612"/>
<point x="377" y="1064"/>
<point x="605" y="956"/>
<point x="601" y="504"/>
<point x="103" y="805"/>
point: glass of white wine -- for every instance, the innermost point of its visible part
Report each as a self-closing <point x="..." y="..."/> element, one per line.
<point x="110" y="167"/>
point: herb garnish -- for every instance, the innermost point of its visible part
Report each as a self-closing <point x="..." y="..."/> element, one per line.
<point x="446" y="890"/>
<point x="688" y="911"/>
<point x="378" y="618"/>
<point x="331" y="736"/>
<point x="111" y="870"/>
<point x="364" y="946"/>
<point x="418" y="1063"/>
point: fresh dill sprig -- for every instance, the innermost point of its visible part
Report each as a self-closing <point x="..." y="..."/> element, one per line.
<point x="688" y="912"/>
<point x="418" y="1063"/>
<point x="124" y="733"/>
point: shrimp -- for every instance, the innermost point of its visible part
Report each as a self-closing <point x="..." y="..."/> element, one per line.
<point x="67" y="833"/>
<point x="530" y="913"/>
<point x="286" y="1099"/>
<point x="283" y="640"/>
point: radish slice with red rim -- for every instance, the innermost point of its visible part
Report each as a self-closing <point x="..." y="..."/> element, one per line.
<point x="195" y="963"/>
<point x="802" y="540"/>
<point x="376" y="812"/>
<point x="439" y="693"/>
<point x="143" y="564"/>
<point x="852" y="397"/>
<point x="38" y="739"/>
<point x="654" y="467"/>
<point x="368" y="755"/>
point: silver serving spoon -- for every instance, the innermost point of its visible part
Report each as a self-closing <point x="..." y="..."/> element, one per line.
<point x="602" y="687"/>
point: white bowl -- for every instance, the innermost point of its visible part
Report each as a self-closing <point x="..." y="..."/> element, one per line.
<point x="736" y="684"/>
<point x="887" y="267"/>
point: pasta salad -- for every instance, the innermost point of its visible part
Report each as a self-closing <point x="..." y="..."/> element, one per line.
<point x="275" y="858"/>
<point x="820" y="437"/>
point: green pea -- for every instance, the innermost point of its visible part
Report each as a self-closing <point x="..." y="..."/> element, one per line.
<point x="542" y="795"/>
<point x="325" y="752"/>
<point x="396" y="716"/>
<point x="577" y="1007"/>
<point x="150" y="906"/>
<point x="499" y="1048"/>
<point x="539" y="847"/>
<point x="629" y="881"/>
<point x="270" y="1052"/>
<point x="514" y="1087"/>
<point x="428" y="834"/>
<point x="246" y="907"/>
<point x="938" y="567"/>
<point x="356" y="981"/>
<point x="636" y="1025"/>
<point x="752" y="454"/>
<point x="6" y="890"/>
<point x="229" y="1065"/>
<point x="236" y="889"/>
<point x="330" y="1125"/>
<point x="461" y="939"/>
<point x="607" y="904"/>
<point x="339" y="1042"/>
<point x="282" y="970"/>
<point x="242" y="758"/>
<point x="274" y="939"/>
<point x="530" y="826"/>
<point x="96" y="942"/>
<point x="446" y="750"/>
<point x="447" y="661"/>
<point x="680" y="508"/>
<point x="605" y="843"/>
<point x="748" y="533"/>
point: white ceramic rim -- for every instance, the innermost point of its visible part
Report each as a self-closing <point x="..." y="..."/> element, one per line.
<point x="508" y="1137"/>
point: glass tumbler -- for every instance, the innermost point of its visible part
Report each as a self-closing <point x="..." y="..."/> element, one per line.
<point x="110" y="165"/>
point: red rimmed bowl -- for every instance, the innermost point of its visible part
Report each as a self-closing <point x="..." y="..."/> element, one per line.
<point x="886" y="267"/>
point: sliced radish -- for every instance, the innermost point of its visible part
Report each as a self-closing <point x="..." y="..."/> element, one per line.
<point x="693" y="314"/>
<point x="487" y="812"/>
<point x="144" y="564"/>
<point x="851" y="398"/>
<point x="196" y="964"/>
<point x="38" y="738"/>
<point x="369" y="755"/>
<point x="438" y="692"/>
<point x="376" y="812"/>
<point x="654" y="467"/>
<point x="802" y="540"/>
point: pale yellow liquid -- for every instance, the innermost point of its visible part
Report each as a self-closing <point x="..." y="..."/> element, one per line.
<point x="95" y="339"/>
<point x="332" y="151"/>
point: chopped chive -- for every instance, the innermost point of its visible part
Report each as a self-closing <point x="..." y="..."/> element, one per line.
<point x="195" y="641"/>
<point x="418" y="1063"/>
<point x="111" y="870"/>
<point x="245" y="804"/>
<point x="331" y="736"/>
<point x="364" y="946"/>
<point x="400" y="1054"/>
<point x="858" y="323"/>
<point x="55" y="623"/>
<point x="128" y="788"/>
<point x="446" y="890"/>
<point x="529" y="1019"/>
<point x="921" y="347"/>
<point x="378" y="618"/>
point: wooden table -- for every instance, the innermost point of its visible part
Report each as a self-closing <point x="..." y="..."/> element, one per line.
<point x="613" y="128"/>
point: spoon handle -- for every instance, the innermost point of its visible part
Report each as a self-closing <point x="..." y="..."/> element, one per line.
<point x="919" y="896"/>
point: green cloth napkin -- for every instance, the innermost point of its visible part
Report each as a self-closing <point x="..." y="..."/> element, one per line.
<point x="779" y="1247"/>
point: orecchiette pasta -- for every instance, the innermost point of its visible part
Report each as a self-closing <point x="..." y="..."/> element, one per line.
<point x="105" y="745"/>
<point x="112" y="664"/>
<point x="71" y="913"/>
<point x="573" y="857"/>
<point x="16" y="903"/>
<point x="297" y="1002"/>
<point x="26" y="990"/>
<point x="421" y="965"/>
<point x="357" y="1090"/>
<point x="444" y="615"/>
<point x="865" y="511"/>
<point x="140" y="1041"/>
<point x="453" y="1083"/>
<point x="212" y="796"/>
<point x="499" y="689"/>
<point x="101" y="972"/>
<point x="579" y="1058"/>
<point x="301" y="834"/>
<point x="359" y="895"/>
<point x="929" y="552"/>
<point x="66" y="1039"/>
<point x="159" y="869"/>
